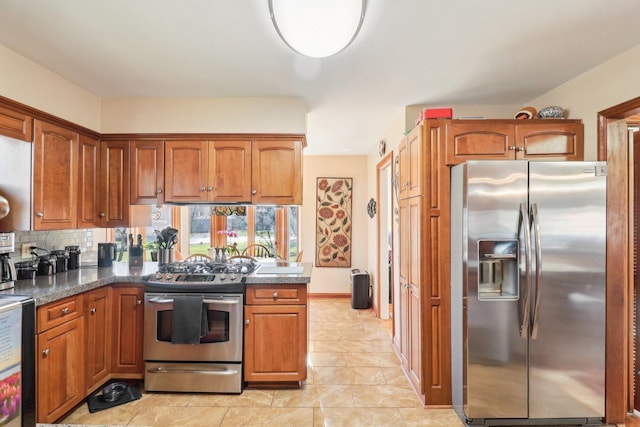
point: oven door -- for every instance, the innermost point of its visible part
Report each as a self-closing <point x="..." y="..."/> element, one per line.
<point x="223" y="343"/>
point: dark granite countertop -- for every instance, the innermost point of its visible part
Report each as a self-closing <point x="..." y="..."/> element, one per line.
<point x="46" y="289"/>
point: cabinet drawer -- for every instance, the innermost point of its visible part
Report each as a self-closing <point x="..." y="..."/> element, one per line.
<point x="276" y="294"/>
<point x="56" y="313"/>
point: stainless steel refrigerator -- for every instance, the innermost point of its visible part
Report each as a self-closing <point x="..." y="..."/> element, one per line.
<point x="528" y="292"/>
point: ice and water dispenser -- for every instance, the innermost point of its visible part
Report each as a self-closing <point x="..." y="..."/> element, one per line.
<point x="498" y="274"/>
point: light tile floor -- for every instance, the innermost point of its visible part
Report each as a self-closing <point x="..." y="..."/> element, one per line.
<point x="354" y="379"/>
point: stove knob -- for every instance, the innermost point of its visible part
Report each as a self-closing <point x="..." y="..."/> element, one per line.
<point x="233" y="276"/>
<point x="223" y="276"/>
<point x="168" y="277"/>
<point x="158" y="276"/>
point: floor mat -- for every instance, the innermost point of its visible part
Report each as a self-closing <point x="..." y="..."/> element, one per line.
<point x="97" y="403"/>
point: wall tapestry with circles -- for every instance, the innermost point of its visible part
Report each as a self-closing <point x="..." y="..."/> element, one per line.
<point x="333" y="222"/>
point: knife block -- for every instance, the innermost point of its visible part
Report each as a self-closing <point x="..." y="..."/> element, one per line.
<point x="136" y="256"/>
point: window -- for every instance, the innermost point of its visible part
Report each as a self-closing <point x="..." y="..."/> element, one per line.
<point x="273" y="226"/>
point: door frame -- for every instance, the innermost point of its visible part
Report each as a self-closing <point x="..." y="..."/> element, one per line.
<point x="385" y="162"/>
<point x="613" y="147"/>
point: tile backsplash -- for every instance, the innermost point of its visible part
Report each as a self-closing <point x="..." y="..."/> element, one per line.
<point x="58" y="239"/>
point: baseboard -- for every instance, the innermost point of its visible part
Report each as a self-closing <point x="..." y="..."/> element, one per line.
<point x="314" y="295"/>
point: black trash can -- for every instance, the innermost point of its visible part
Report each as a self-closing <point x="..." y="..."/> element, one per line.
<point x="360" y="289"/>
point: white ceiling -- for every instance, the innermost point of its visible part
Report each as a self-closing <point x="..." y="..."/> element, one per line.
<point x="408" y="52"/>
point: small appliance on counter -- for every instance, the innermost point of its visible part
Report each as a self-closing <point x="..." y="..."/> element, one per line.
<point x="47" y="265"/>
<point x="106" y="254"/>
<point x="74" y="257"/>
<point x="62" y="260"/>
<point x="46" y="261"/>
<point x="7" y="268"/>
<point x="26" y="269"/>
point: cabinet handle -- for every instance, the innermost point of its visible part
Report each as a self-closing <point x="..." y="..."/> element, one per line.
<point x="102" y="214"/>
<point x="46" y="353"/>
<point x="512" y="147"/>
<point x="40" y="214"/>
<point x="159" y="191"/>
<point x="246" y="322"/>
<point x="209" y="188"/>
<point x="202" y="189"/>
<point x="275" y="295"/>
<point x="138" y="302"/>
<point x="65" y="310"/>
<point x="254" y="192"/>
<point x="93" y="310"/>
<point x="520" y="148"/>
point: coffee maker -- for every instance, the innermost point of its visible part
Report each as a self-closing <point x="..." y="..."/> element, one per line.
<point x="7" y="268"/>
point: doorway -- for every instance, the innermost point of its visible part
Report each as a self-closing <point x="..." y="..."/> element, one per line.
<point x="615" y="146"/>
<point x="384" y="264"/>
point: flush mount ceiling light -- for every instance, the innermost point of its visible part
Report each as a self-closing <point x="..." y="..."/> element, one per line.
<point x="317" y="28"/>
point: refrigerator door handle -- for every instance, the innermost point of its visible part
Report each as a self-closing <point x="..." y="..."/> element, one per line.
<point x="526" y="229"/>
<point x="535" y="224"/>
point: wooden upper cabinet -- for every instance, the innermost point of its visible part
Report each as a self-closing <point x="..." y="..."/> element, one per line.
<point x="114" y="184"/>
<point x="478" y="140"/>
<point x="229" y="171"/>
<point x="414" y="162"/>
<point x="55" y="173"/>
<point x="16" y="125"/>
<point x="276" y="172"/>
<point x="88" y="182"/>
<point x="410" y="164"/>
<point x="186" y="171"/>
<point x="550" y="141"/>
<point x="147" y="172"/>
<point x="543" y="139"/>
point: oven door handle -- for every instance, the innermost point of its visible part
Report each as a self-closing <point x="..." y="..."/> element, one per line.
<point x="211" y="371"/>
<point x="206" y="301"/>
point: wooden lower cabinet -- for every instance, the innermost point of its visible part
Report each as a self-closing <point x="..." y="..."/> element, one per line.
<point x="275" y="334"/>
<point x="97" y="315"/>
<point x="60" y="374"/>
<point x="83" y="341"/>
<point x="127" y="335"/>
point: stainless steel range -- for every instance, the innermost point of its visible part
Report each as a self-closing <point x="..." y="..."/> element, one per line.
<point x="193" y="326"/>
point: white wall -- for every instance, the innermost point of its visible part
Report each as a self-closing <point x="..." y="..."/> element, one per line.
<point x="328" y="280"/>
<point x="604" y="86"/>
<point x="28" y="83"/>
<point x="194" y="115"/>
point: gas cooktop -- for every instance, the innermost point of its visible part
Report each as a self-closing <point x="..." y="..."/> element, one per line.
<point x="201" y="276"/>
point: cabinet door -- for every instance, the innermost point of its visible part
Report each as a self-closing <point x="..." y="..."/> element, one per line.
<point x="97" y="304"/>
<point x="16" y="125"/>
<point x="414" y="162"/>
<point x="128" y="315"/>
<point x="276" y="172"/>
<point x="114" y="184"/>
<point x="550" y="141"/>
<point x="60" y="373"/>
<point x="230" y="171"/>
<point x="405" y="231"/>
<point x="88" y="182"/>
<point x="479" y="140"/>
<point x="185" y="173"/>
<point x="403" y="169"/>
<point x="147" y="172"/>
<point x="55" y="177"/>
<point x="275" y="339"/>
<point x="414" y="212"/>
<point x="403" y="318"/>
<point x="415" y="342"/>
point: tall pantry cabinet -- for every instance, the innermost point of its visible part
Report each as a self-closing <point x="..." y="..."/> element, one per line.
<point x="425" y="156"/>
